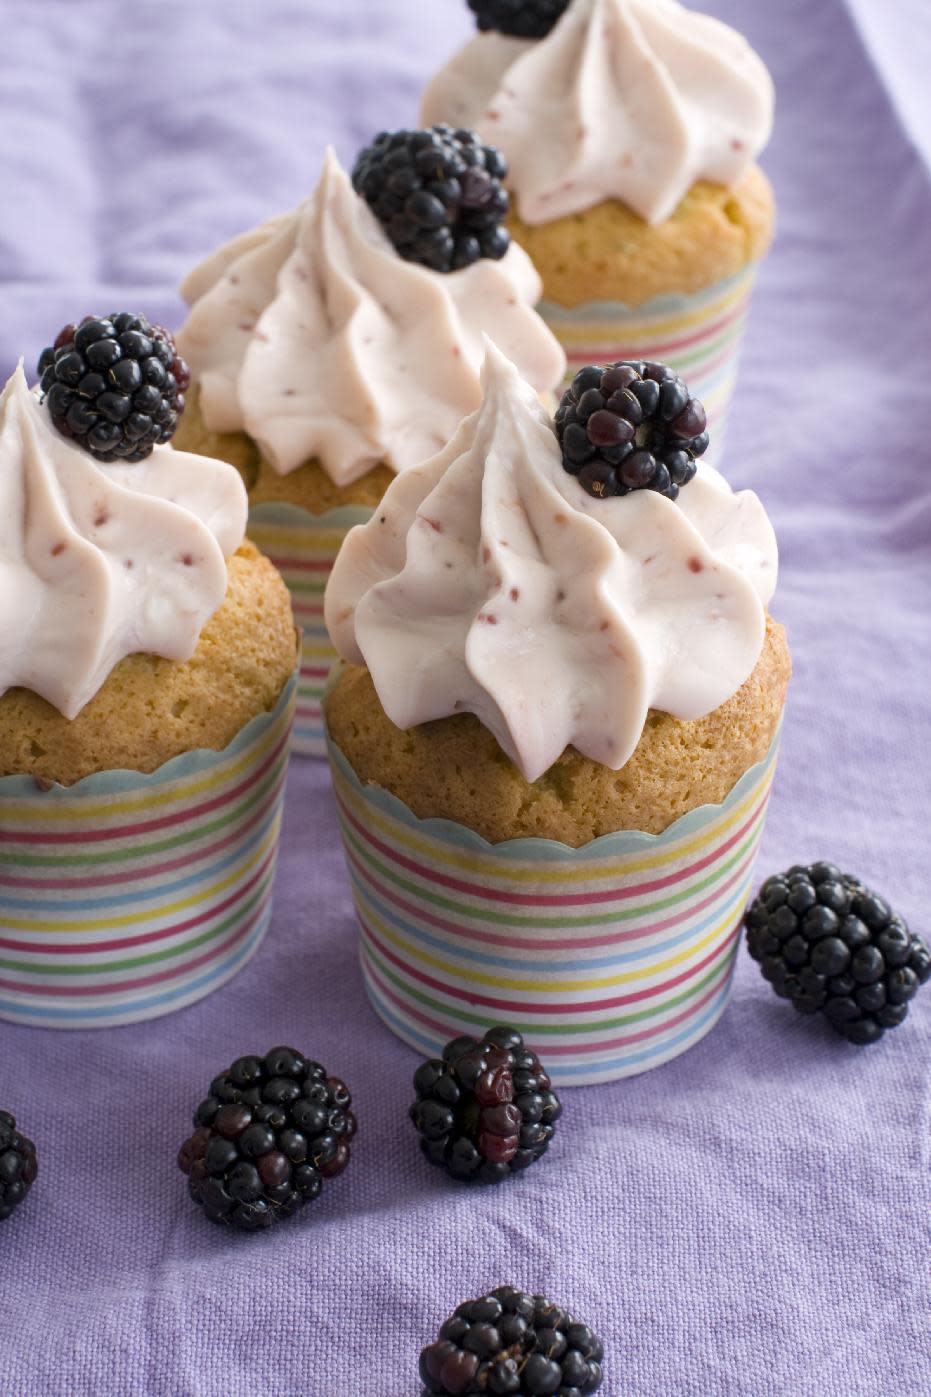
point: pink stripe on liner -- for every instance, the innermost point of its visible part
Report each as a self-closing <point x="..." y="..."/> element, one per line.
<point x="302" y="564"/>
<point x="147" y="826"/>
<point x="103" y="880"/>
<point x="533" y="942"/>
<point x="511" y="1006"/>
<point x="686" y="341"/>
<point x="554" y="1049"/>
<point x="550" y="899"/>
<point x="143" y="981"/>
<point x="120" y="943"/>
<point x="658" y="349"/>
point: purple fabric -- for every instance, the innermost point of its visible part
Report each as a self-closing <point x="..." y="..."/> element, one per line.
<point x="753" y="1218"/>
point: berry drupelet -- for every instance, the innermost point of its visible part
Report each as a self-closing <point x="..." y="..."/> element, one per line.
<point x="486" y="1108"/>
<point x="829" y="945"/>
<point x="114" y="385"/>
<point x="18" y="1167"/>
<point x="515" y="1344"/>
<point x="269" y="1133"/>
<point x="630" y="426"/>
<point x="524" y="19"/>
<point x="438" y="194"/>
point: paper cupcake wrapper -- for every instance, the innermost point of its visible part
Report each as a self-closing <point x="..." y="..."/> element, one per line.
<point x="303" y="547"/>
<point x="610" y="959"/>
<point x="127" y="896"/>
<point x="699" y="336"/>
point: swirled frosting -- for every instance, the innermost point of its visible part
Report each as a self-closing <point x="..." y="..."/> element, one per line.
<point x="624" y="99"/>
<point x="102" y="561"/>
<point x="316" y="338"/>
<point x="489" y="582"/>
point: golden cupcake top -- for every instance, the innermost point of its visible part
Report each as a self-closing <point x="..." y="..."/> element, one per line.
<point x="634" y="100"/>
<point x="350" y="330"/>
<point x="111" y="542"/>
<point x="559" y="587"/>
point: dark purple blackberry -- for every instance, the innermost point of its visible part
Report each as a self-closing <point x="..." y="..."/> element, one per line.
<point x="486" y="1109"/>
<point x="114" y="385"/>
<point x="438" y="194"/>
<point x="511" y="1343"/>
<point x="18" y="1167"/>
<point x="630" y="426"/>
<point x="270" y="1132"/>
<point x="830" y="946"/>
<point x="525" y="19"/>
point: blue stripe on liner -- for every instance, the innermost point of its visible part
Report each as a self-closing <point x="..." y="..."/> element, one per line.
<point x="14" y="1009"/>
<point x="97" y="904"/>
<point x="564" y="1068"/>
<point x="520" y="962"/>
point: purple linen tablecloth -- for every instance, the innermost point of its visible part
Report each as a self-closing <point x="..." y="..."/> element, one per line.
<point x="753" y="1218"/>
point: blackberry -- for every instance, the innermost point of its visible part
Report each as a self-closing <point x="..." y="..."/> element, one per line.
<point x="512" y="1343"/>
<point x="268" y="1135"/>
<point x="18" y="1167"/>
<point x="829" y="945"/>
<point x="438" y="194"/>
<point x="525" y="19"/>
<point x="630" y="426"/>
<point x="114" y="385"/>
<point x="486" y="1108"/>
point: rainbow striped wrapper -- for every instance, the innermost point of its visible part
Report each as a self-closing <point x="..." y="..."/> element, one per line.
<point x="126" y="896"/>
<point x="699" y="336"/>
<point x="610" y="959"/>
<point x="303" y="547"/>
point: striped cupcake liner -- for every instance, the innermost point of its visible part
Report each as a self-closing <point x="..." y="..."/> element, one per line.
<point x="303" y="547"/>
<point x="699" y="336"/>
<point x="611" y="959"/>
<point x="127" y="896"/>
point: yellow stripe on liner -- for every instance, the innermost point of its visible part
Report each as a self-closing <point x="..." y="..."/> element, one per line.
<point x="178" y="791"/>
<point x="150" y="915"/>
<point x="500" y="982"/>
<point x="471" y="862"/>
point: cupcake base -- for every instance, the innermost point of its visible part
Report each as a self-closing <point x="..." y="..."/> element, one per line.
<point x="611" y="958"/>
<point x="127" y="896"/>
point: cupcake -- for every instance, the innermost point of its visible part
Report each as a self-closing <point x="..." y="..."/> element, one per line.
<point x="553" y="736"/>
<point x="342" y="343"/>
<point x="147" y="658"/>
<point x="631" y="128"/>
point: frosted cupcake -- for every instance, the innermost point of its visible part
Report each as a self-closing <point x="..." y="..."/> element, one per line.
<point x="336" y="346"/>
<point x="631" y="128"/>
<point x="552" y="742"/>
<point x="147" y="656"/>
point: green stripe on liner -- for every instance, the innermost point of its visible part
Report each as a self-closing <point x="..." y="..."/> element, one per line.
<point x="39" y="968"/>
<point x="689" y="358"/>
<point x="314" y="589"/>
<point x="557" y="923"/>
<point x="531" y="1025"/>
<point x="176" y="841"/>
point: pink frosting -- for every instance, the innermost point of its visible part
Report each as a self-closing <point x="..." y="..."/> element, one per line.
<point x="315" y="337"/>
<point x="624" y="99"/>
<point x="489" y="582"/>
<point x="102" y="561"/>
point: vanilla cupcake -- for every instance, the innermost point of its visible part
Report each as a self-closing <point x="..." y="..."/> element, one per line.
<point x="147" y="658"/>
<point x="631" y="128"/>
<point x="342" y="343"/>
<point x="552" y="743"/>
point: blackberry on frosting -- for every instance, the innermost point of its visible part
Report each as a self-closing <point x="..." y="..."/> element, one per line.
<point x="438" y="194"/>
<point x="114" y="385"/>
<point x="630" y="426"/>
<point x="524" y="19"/>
